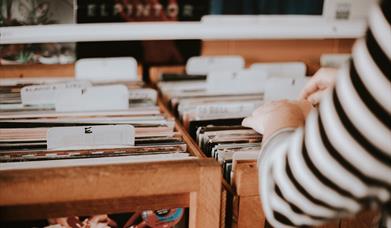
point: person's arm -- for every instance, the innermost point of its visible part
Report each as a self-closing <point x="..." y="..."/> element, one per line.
<point x="340" y="162"/>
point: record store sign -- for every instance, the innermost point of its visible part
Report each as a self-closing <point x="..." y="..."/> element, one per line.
<point x="90" y="137"/>
<point x="99" y="98"/>
<point x="46" y="94"/>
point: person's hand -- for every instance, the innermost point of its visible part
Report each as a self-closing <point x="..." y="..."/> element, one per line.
<point x="276" y="115"/>
<point x="322" y="80"/>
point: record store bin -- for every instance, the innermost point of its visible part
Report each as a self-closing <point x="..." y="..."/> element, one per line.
<point x="139" y="124"/>
<point x="41" y="188"/>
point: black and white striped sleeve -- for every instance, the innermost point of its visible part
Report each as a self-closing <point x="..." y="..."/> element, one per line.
<point x="340" y="162"/>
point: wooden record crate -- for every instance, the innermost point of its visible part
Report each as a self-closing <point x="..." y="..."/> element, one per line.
<point x="67" y="191"/>
<point x="247" y="208"/>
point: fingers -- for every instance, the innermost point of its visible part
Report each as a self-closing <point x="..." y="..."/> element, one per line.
<point x="324" y="78"/>
<point x="315" y="98"/>
<point x="305" y="106"/>
<point x="254" y="122"/>
<point x="309" y="88"/>
<point x="248" y="121"/>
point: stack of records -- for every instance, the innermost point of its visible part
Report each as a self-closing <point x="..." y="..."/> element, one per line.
<point x="52" y="134"/>
<point x="212" y="102"/>
<point x="212" y="119"/>
<point x="218" y="93"/>
<point x="223" y="142"/>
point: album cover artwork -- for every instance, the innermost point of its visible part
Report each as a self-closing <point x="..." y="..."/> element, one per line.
<point x="163" y="218"/>
<point x="162" y="52"/>
<point x="36" y="12"/>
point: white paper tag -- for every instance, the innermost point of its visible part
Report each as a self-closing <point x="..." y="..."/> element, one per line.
<point x="244" y="81"/>
<point x="227" y="108"/>
<point x="106" y="69"/>
<point x="141" y="94"/>
<point x="45" y="94"/>
<point x="206" y="64"/>
<point x="90" y="137"/>
<point x="283" y="88"/>
<point x="282" y="69"/>
<point x="113" y="97"/>
<point x="334" y="60"/>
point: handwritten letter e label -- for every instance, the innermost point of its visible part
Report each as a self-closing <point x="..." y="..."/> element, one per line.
<point x="90" y="137"/>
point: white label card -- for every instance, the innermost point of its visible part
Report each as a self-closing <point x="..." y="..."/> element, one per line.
<point x="46" y="94"/>
<point x="283" y="88"/>
<point x="245" y="81"/>
<point x="100" y="98"/>
<point x="90" y="137"/>
<point x="282" y="69"/>
<point x="142" y="94"/>
<point x="220" y="109"/>
<point x="334" y="60"/>
<point x="206" y="64"/>
<point x="106" y="69"/>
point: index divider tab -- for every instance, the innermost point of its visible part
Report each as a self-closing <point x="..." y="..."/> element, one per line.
<point x="45" y="94"/>
<point x="205" y="64"/>
<point x="283" y="88"/>
<point x="106" y="69"/>
<point x="282" y="69"/>
<point x="143" y="93"/>
<point x="226" y="108"/>
<point x="90" y="137"/>
<point x="242" y="82"/>
<point x="334" y="60"/>
<point x="99" y="98"/>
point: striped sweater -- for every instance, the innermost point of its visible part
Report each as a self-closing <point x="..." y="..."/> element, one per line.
<point x="339" y="163"/>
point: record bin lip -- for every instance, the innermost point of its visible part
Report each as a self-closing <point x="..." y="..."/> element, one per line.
<point x="43" y="196"/>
